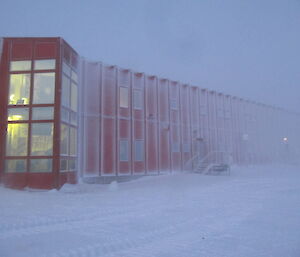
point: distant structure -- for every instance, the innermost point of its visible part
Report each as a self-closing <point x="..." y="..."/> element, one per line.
<point x="63" y="117"/>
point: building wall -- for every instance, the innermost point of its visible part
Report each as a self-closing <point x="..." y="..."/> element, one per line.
<point x="137" y="124"/>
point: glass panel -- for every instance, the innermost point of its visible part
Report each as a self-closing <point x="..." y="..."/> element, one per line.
<point x="66" y="69"/>
<point x="64" y="139"/>
<point x="44" y="84"/>
<point x="137" y="99"/>
<point x="42" y="113"/>
<point x="16" y="139"/>
<point x="186" y="148"/>
<point x="72" y="164"/>
<point x="73" y="141"/>
<point x="173" y="103"/>
<point x="65" y="97"/>
<point x="74" y="76"/>
<point x="123" y="154"/>
<point x="18" y="114"/>
<point x="44" y="64"/>
<point x="64" y="115"/>
<point x="73" y="118"/>
<point x="15" y="166"/>
<point x="139" y="150"/>
<point x="41" y="165"/>
<point x="19" y="89"/>
<point x="124" y="97"/>
<point x="42" y="139"/>
<point x="175" y="147"/>
<point x="20" y="65"/>
<point x="73" y="97"/>
<point x="63" y="165"/>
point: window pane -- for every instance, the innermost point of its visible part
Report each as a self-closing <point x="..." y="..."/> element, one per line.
<point x="173" y="103"/>
<point x="19" y="89"/>
<point x="41" y="165"/>
<point x="73" y="116"/>
<point x="73" y="141"/>
<point x="72" y="164"/>
<point x="186" y="148"/>
<point x="137" y="99"/>
<point x="66" y="69"/>
<point x="64" y="115"/>
<point x="175" y="148"/>
<point x="63" y="165"/>
<point x="20" y="65"/>
<point x="65" y="94"/>
<point x="124" y="97"/>
<point x="73" y="97"/>
<point x="18" y="114"/>
<point x="42" y="113"/>
<point x="123" y="150"/>
<point x="139" y="150"/>
<point x="15" y="166"/>
<point x="44" y="64"/>
<point x="42" y="139"/>
<point x="44" y="84"/>
<point x="74" y="76"/>
<point x="64" y="139"/>
<point x="16" y="139"/>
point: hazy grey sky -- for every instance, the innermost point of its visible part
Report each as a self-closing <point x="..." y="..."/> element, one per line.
<point x="248" y="48"/>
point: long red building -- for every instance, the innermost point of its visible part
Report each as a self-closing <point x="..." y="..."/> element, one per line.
<point x="63" y="117"/>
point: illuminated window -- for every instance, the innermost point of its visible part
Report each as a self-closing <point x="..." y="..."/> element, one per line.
<point x="15" y="166"/>
<point x="44" y="84"/>
<point x="65" y="97"/>
<point x="42" y="113"/>
<point x="139" y="150"/>
<point x="137" y="99"/>
<point x="123" y="151"/>
<point x="73" y="97"/>
<point x="19" y="89"/>
<point x="123" y="97"/>
<point x="73" y="141"/>
<point x="41" y="165"/>
<point x="16" y="139"/>
<point x="44" y="64"/>
<point x="64" y="139"/>
<point x="18" y="114"/>
<point x="20" y="65"/>
<point x="42" y="139"/>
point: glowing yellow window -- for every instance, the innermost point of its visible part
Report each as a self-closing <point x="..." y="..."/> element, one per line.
<point x="16" y="139"/>
<point x="19" y="89"/>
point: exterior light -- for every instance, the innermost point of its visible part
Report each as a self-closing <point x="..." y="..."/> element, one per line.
<point x="285" y="139"/>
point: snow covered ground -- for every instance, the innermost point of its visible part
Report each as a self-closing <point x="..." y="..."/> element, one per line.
<point x="254" y="212"/>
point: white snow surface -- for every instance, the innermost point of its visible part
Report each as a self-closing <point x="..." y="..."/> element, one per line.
<point x="254" y="212"/>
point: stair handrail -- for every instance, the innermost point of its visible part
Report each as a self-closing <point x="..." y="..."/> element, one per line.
<point x="202" y="160"/>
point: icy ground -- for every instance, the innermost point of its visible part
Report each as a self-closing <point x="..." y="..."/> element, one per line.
<point x="254" y="212"/>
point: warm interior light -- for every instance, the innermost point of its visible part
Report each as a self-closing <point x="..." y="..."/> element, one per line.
<point x="15" y="117"/>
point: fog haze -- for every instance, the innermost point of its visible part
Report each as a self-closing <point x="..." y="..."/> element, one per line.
<point x="249" y="49"/>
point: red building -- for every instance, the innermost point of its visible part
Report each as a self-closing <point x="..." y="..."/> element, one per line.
<point x="129" y="123"/>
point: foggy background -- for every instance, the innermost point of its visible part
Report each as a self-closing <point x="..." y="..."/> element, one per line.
<point x="245" y="48"/>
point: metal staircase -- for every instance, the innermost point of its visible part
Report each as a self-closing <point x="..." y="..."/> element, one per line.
<point x="214" y="163"/>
